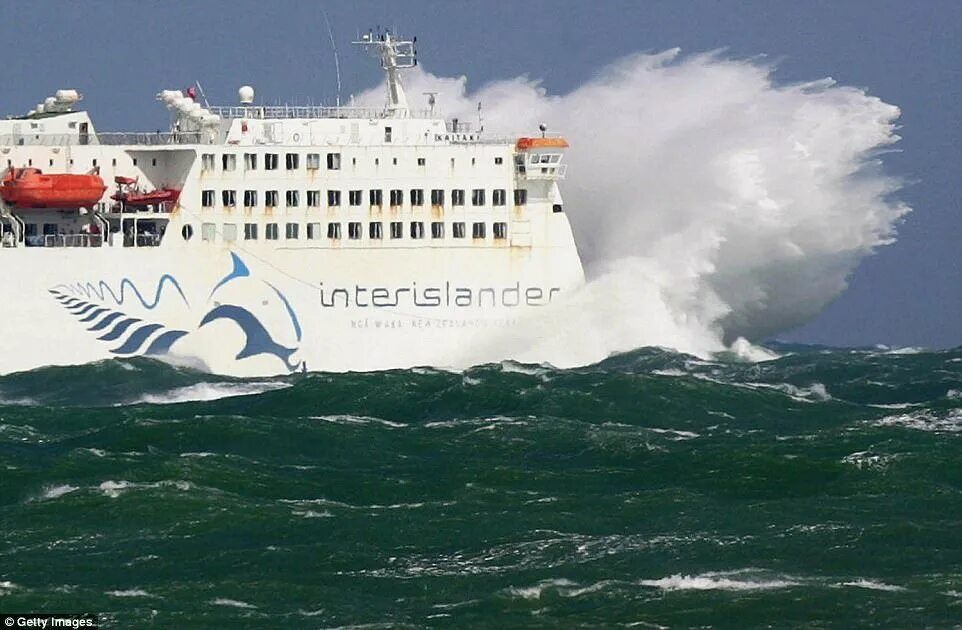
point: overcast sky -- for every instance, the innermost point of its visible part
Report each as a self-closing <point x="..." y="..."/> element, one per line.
<point x="119" y="54"/>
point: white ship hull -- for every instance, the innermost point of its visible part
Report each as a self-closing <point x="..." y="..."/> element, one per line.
<point x="247" y="312"/>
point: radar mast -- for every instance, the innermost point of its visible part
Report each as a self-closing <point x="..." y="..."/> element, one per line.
<point x="395" y="54"/>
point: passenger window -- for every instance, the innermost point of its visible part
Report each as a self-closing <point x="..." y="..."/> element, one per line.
<point x="477" y="230"/>
<point x="417" y="229"/>
<point x="333" y="230"/>
<point x="457" y="229"/>
<point x="437" y="229"/>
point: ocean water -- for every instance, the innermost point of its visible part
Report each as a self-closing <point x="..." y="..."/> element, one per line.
<point x="651" y="490"/>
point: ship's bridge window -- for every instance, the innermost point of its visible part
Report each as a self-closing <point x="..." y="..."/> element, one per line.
<point x="457" y="197"/>
<point x="387" y="134"/>
<point x="292" y="231"/>
<point x="333" y="161"/>
<point x="187" y="232"/>
<point x="250" y="161"/>
<point x="292" y="161"/>
<point x="397" y="229"/>
<point x="421" y="161"/>
<point x="520" y="196"/>
<point x="250" y="231"/>
<point x="207" y="198"/>
<point x="437" y="229"/>
<point x="313" y="231"/>
<point x="333" y="230"/>
<point x="477" y="197"/>
<point x="417" y="197"/>
<point x="270" y="231"/>
<point x="293" y="198"/>
<point x="397" y="197"/>
<point x="333" y="198"/>
<point x="498" y="160"/>
<point x="208" y="232"/>
<point x="354" y="197"/>
<point x="250" y="198"/>
<point x="437" y="197"/>
<point x="207" y="162"/>
<point x="374" y="230"/>
<point x="270" y="198"/>
<point x="313" y="198"/>
<point x="229" y="198"/>
<point x="477" y="230"/>
<point x="376" y="197"/>
<point x="229" y="232"/>
<point x="313" y="161"/>
<point x="457" y="229"/>
<point x="229" y="161"/>
<point x="354" y="230"/>
<point x="417" y="229"/>
<point x="270" y="161"/>
<point x="500" y="230"/>
<point x="498" y="197"/>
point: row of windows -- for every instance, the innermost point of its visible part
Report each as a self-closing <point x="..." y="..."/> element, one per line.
<point x="355" y="231"/>
<point x="292" y="198"/>
<point x="292" y="161"/>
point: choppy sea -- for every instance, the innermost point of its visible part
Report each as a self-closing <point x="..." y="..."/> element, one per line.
<point x="652" y="490"/>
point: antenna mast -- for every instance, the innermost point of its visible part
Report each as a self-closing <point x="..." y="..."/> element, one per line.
<point x="395" y="54"/>
<point x="337" y="64"/>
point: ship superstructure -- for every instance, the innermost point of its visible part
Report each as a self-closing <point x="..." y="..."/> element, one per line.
<point x="255" y="239"/>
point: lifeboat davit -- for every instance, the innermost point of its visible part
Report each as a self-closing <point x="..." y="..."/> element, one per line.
<point x="29" y="188"/>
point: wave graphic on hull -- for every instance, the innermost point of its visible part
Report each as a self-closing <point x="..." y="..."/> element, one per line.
<point x="130" y="335"/>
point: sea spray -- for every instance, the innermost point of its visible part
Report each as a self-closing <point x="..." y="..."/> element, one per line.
<point x="710" y="203"/>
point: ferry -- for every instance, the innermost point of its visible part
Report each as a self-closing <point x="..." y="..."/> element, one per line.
<point x="256" y="240"/>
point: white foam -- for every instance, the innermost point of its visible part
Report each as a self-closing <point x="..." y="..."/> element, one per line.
<point x="6" y="587"/>
<point x="349" y="419"/>
<point x="201" y="392"/>
<point x="676" y="434"/>
<point x="223" y="601"/>
<point x="867" y="460"/>
<point x="873" y="585"/>
<point x="53" y="492"/>
<point x="113" y="489"/>
<point x="733" y="581"/>
<point x="924" y="421"/>
<point x="535" y="592"/>
<point x="132" y="592"/>
<point x="312" y="514"/>
<point x="708" y="201"/>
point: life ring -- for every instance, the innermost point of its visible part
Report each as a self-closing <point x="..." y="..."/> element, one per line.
<point x="296" y="137"/>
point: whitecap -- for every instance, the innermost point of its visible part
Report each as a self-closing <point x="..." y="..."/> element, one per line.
<point x="349" y="419"/>
<point x="312" y="514"/>
<point x="873" y="585"/>
<point x="53" y="492"/>
<point x="726" y="581"/>
<point x="113" y="489"/>
<point x="202" y="392"/>
<point x="676" y="434"/>
<point x="223" y="601"/>
<point x="867" y="460"/>
<point x="924" y="421"/>
<point x="535" y="592"/>
<point x="6" y="586"/>
<point x="131" y="592"/>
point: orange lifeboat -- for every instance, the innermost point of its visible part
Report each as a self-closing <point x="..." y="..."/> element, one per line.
<point x="30" y="188"/>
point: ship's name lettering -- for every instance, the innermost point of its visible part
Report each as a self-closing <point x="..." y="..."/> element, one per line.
<point x="360" y="296"/>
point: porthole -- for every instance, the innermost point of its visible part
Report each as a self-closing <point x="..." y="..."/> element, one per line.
<point x="187" y="232"/>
